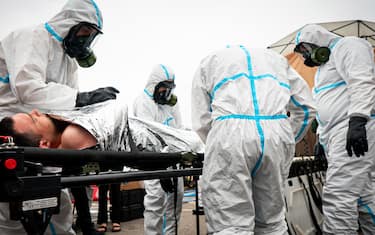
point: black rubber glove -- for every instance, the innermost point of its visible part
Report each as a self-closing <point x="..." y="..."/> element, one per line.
<point x="319" y="151"/>
<point x="167" y="185"/>
<point x="356" y="137"/>
<point x="96" y="96"/>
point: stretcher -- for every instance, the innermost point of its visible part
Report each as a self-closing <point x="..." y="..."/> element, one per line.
<point x="34" y="197"/>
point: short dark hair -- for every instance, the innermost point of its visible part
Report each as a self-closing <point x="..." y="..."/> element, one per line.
<point x="20" y="139"/>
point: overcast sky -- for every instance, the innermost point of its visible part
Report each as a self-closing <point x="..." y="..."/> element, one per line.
<point x="141" y="33"/>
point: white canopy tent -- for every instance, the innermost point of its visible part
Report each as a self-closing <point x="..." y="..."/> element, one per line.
<point x="359" y="28"/>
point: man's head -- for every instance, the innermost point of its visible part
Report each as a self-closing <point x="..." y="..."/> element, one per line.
<point x="29" y="129"/>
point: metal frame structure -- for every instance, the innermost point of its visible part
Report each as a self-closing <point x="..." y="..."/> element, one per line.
<point x="33" y="198"/>
<point x="360" y="28"/>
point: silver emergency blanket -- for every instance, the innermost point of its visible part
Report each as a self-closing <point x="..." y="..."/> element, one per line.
<point x="108" y="122"/>
<point x="153" y="136"/>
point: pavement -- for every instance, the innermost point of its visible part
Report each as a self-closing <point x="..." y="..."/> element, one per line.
<point x="187" y="224"/>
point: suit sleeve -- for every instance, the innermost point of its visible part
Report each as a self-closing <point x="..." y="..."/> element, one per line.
<point x="177" y="116"/>
<point x="301" y="106"/>
<point x="355" y="63"/>
<point x="27" y="58"/>
<point x="201" y="104"/>
<point x="143" y="108"/>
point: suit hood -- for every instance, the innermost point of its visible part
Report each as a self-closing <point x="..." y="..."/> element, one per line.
<point x="159" y="73"/>
<point x="72" y="13"/>
<point x="315" y="34"/>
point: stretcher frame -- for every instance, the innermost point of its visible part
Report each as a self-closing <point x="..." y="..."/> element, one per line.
<point x="42" y="192"/>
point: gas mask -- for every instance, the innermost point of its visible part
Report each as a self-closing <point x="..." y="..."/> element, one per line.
<point x="313" y="54"/>
<point x="77" y="44"/>
<point x="163" y="93"/>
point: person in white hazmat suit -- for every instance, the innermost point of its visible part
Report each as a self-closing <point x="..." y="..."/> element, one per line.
<point x="38" y="65"/>
<point x="250" y="108"/>
<point x="344" y="92"/>
<point x="38" y="69"/>
<point x="158" y="103"/>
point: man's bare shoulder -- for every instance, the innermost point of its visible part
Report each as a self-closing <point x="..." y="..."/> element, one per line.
<point x="76" y="137"/>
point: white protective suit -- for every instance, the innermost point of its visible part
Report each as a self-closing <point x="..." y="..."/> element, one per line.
<point x="345" y="87"/>
<point x="35" y="72"/>
<point x="240" y="99"/>
<point x="159" y="214"/>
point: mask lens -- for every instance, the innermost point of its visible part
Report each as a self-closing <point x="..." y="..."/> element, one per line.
<point x="305" y="49"/>
<point x="163" y="92"/>
<point x="85" y="29"/>
<point x="168" y="93"/>
<point x="86" y="35"/>
<point x="78" y="43"/>
<point x="168" y="84"/>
